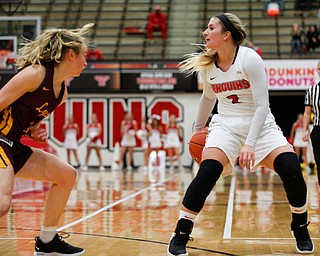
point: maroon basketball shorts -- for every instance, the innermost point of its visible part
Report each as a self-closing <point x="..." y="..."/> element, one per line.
<point x="12" y="152"/>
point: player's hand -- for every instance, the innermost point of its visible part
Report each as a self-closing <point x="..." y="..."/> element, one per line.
<point x="246" y="158"/>
<point x="39" y="135"/>
<point x="305" y="136"/>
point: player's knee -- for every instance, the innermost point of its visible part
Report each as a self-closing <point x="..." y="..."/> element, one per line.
<point x="209" y="172"/>
<point x="72" y="175"/>
<point x="288" y="167"/>
<point x="5" y="204"/>
<point x="68" y="178"/>
<point x="287" y="163"/>
<point x="198" y="190"/>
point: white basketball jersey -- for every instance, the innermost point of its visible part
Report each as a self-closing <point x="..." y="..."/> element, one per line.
<point x="232" y="87"/>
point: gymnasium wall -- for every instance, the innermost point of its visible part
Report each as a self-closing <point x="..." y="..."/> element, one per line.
<point x="109" y="89"/>
<point x="110" y="110"/>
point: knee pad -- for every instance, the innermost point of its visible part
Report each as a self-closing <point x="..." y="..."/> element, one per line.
<point x="201" y="186"/>
<point x="288" y="167"/>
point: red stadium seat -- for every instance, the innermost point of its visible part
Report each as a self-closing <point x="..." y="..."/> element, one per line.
<point x="273" y="9"/>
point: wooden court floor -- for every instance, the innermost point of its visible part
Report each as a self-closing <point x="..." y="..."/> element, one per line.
<point x="120" y="213"/>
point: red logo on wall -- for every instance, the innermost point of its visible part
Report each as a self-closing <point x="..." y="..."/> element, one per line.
<point x="110" y="112"/>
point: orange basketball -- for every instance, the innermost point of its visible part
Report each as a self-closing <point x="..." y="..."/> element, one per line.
<point x="197" y="143"/>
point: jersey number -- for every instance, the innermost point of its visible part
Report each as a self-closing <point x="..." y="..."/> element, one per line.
<point x="234" y="98"/>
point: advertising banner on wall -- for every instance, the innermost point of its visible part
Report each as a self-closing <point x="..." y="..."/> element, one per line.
<point x="106" y="77"/>
<point x="97" y="77"/>
<point x="291" y="74"/>
<point x="158" y="76"/>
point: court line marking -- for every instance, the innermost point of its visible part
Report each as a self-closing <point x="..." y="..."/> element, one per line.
<point x="113" y="204"/>
<point x="154" y="242"/>
<point x="265" y="238"/>
<point x="109" y="236"/>
<point x="228" y="223"/>
<point x="16" y="238"/>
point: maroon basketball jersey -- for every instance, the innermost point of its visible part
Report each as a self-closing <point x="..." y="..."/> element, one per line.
<point x="30" y="108"/>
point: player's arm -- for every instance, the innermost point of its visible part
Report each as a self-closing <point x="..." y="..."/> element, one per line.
<point x="207" y="102"/>
<point x="38" y="134"/>
<point x="27" y="80"/>
<point x="256" y="75"/>
<point x="306" y="122"/>
<point x="255" y="70"/>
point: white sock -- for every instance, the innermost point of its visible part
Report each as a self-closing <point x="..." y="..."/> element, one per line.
<point x="299" y="210"/>
<point x="48" y="233"/>
<point x="187" y="215"/>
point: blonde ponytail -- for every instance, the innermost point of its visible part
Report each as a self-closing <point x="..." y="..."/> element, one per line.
<point x="198" y="61"/>
<point x="51" y="45"/>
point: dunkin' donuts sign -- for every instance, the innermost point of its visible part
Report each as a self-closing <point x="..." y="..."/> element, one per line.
<point x="291" y="74"/>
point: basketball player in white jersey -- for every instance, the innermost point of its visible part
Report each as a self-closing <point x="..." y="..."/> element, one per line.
<point x="244" y="127"/>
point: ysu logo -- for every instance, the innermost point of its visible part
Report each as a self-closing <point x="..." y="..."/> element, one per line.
<point x="102" y="80"/>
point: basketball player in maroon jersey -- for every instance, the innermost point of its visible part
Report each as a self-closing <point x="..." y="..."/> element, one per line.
<point x="31" y="95"/>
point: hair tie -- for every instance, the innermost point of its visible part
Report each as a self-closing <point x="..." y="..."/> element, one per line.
<point x="230" y="27"/>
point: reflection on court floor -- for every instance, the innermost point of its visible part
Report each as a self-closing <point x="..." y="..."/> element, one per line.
<point x="122" y="213"/>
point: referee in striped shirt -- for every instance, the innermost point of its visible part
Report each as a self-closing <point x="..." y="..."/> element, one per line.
<point x="312" y="104"/>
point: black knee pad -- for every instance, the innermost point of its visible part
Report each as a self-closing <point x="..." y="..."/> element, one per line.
<point x="198" y="190"/>
<point x="288" y="167"/>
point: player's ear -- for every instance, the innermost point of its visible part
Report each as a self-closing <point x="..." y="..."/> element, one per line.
<point x="70" y="54"/>
<point x="227" y="34"/>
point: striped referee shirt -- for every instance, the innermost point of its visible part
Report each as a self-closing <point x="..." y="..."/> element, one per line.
<point x="312" y="99"/>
